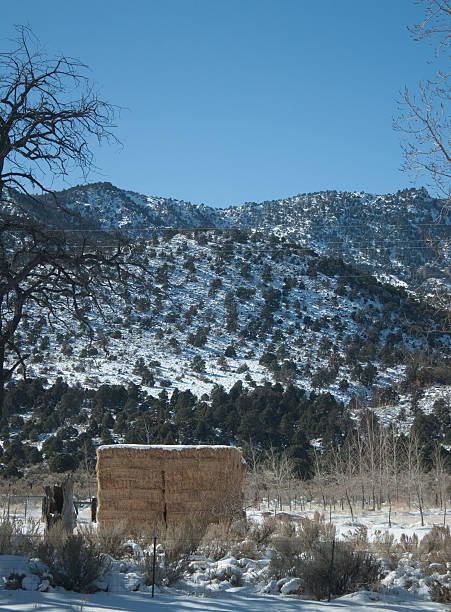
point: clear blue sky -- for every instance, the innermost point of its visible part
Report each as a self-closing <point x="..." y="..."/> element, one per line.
<point x="242" y="100"/>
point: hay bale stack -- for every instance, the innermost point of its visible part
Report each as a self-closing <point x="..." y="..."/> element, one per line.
<point x="148" y="485"/>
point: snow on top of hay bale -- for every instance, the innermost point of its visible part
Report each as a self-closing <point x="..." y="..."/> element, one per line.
<point x="167" y="447"/>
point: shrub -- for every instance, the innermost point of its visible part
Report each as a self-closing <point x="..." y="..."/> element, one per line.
<point x="198" y="364"/>
<point x="215" y="544"/>
<point x="357" y="539"/>
<point x="385" y="545"/>
<point x="286" y="557"/>
<point x="13" y="582"/>
<point x="74" y="561"/>
<point x="290" y="550"/>
<point x="261" y="534"/>
<point x="437" y="544"/>
<point x="408" y="543"/>
<point x="439" y="592"/>
<point x="62" y="463"/>
<point x="230" y="351"/>
<point x="316" y="530"/>
<point x="177" y="541"/>
<point x="351" y="569"/>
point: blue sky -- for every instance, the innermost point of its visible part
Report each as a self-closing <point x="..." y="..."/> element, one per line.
<point x="227" y="101"/>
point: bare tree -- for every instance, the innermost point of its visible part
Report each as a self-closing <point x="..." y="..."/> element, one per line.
<point x="49" y="113"/>
<point x="442" y="480"/>
<point x="279" y="470"/>
<point x="425" y="124"/>
<point x="425" y="121"/>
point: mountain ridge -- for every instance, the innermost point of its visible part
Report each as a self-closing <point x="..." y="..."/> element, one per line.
<point x="397" y="237"/>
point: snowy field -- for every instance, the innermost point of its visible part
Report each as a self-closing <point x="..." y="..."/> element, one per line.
<point x="405" y="521"/>
<point x="209" y="586"/>
<point x="232" y="601"/>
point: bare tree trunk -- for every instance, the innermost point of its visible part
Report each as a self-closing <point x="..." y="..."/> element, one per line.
<point x="58" y="505"/>
<point x="2" y="380"/>
<point x="349" y="504"/>
<point x="68" y="516"/>
<point x="420" y="505"/>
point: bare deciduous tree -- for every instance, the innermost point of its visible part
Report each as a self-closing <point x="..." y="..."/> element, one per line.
<point x="49" y="113"/>
<point x="425" y="124"/>
<point x="425" y="120"/>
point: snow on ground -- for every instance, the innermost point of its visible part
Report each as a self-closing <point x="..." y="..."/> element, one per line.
<point x="209" y="585"/>
<point x="404" y="521"/>
<point x="232" y="601"/>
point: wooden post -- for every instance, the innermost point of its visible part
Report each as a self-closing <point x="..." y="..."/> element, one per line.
<point x="154" y="559"/>
<point x="331" y="570"/>
<point x="349" y="504"/>
<point x="68" y="516"/>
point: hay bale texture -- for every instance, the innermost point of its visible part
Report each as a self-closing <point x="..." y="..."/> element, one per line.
<point x="148" y="485"/>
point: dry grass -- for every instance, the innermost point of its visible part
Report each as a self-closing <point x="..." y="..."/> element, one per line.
<point x="18" y="537"/>
<point x="176" y="541"/>
<point x="437" y="544"/>
<point x="109" y="541"/>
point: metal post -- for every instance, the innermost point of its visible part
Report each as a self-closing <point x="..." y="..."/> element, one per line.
<point x="25" y="509"/>
<point x="154" y="559"/>
<point x="331" y="570"/>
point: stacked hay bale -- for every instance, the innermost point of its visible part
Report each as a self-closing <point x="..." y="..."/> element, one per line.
<point x="148" y="485"/>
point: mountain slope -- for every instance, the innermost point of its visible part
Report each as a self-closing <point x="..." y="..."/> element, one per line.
<point x="399" y="237"/>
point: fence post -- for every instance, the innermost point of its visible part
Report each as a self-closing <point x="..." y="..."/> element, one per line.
<point x="154" y="559"/>
<point x="25" y="509"/>
<point x="331" y="570"/>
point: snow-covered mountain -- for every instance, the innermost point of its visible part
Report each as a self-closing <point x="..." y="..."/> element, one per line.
<point x="400" y="237"/>
<point x="250" y="298"/>
<point x="218" y="307"/>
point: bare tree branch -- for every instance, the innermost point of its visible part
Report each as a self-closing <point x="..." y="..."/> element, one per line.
<point x="424" y="122"/>
<point x="49" y="115"/>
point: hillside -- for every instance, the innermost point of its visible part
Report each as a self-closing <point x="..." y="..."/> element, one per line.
<point x="399" y="237"/>
<point x="234" y="318"/>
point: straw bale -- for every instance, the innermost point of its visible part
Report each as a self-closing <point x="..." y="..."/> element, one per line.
<point x="142" y="485"/>
<point x="149" y="495"/>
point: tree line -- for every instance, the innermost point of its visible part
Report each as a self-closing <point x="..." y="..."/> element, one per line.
<point x="60" y="425"/>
